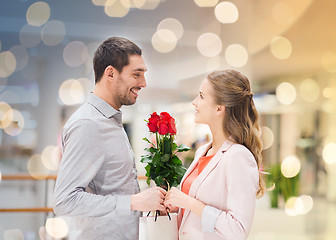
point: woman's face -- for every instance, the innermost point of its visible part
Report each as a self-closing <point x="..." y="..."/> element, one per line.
<point x="205" y="106"/>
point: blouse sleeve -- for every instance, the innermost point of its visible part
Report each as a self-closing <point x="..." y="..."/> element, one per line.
<point x="242" y="184"/>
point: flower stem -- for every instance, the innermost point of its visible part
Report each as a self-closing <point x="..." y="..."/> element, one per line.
<point x="157" y="140"/>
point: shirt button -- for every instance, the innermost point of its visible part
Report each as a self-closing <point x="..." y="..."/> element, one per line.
<point x="120" y="125"/>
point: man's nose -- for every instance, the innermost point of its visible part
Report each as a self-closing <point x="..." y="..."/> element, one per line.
<point x="143" y="83"/>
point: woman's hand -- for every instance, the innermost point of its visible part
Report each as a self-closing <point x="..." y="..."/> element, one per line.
<point x="176" y="198"/>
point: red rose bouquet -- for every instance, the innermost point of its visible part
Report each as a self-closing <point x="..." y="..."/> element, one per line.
<point x="163" y="165"/>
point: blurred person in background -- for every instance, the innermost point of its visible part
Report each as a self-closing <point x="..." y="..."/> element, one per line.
<point x="97" y="180"/>
<point x="219" y="190"/>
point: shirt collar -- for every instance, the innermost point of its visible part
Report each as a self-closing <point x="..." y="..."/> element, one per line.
<point x="104" y="108"/>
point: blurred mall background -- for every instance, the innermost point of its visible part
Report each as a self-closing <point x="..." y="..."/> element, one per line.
<point x="286" y="48"/>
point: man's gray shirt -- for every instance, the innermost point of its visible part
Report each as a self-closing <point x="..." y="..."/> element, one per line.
<point x="97" y="175"/>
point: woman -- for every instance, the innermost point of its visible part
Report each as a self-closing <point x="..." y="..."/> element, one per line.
<point x="219" y="190"/>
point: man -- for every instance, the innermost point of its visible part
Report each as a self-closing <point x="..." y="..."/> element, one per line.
<point x="97" y="179"/>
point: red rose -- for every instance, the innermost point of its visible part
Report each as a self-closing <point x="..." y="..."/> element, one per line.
<point x="153" y="122"/>
<point x="166" y="124"/>
<point x="165" y="116"/>
<point x="172" y="127"/>
<point x="163" y="127"/>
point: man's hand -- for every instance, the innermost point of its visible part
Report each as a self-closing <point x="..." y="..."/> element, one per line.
<point x="150" y="199"/>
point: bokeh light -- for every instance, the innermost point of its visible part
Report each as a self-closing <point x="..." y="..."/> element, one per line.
<point x="57" y="227"/>
<point x="290" y="166"/>
<point x="146" y="4"/>
<point x="75" y="53"/>
<point x="206" y="3"/>
<point x="51" y="156"/>
<point x="328" y="92"/>
<point x="21" y="56"/>
<point x="6" y="114"/>
<point x="16" y="125"/>
<point x="309" y="90"/>
<point x="328" y="61"/>
<point x="164" y="41"/>
<point x="282" y="13"/>
<point x="304" y="204"/>
<point x="209" y="44"/>
<point x="299" y="205"/>
<point x="30" y="36"/>
<point x="36" y="168"/>
<point x="226" y="12"/>
<point x="329" y="153"/>
<point x="7" y="64"/>
<point x="173" y="25"/>
<point x="286" y="93"/>
<point x="99" y="2"/>
<point x="236" y="55"/>
<point x="281" y="47"/>
<point x="267" y="137"/>
<point x="290" y="208"/>
<point x="71" y="92"/>
<point x="53" y="33"/>
<point x="38" y="14"/>
<point x="118" y="8"/>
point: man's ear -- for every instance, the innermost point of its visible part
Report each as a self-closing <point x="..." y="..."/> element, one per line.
<point x="109" y="72"/>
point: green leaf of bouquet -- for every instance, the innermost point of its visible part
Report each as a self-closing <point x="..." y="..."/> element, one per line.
<point x="151" y="150"/>
<point x="171" y="166"/>
<point x="146" y="159"/>
<point x="148" y="181"/>
<point x="147" y="140"/>
<point x="176" y="160"/>
<point x="148" y="167"/>
<point x="157" y="170"/>
<point x="159" y="181"/>
<point x="174" y="146"/>
<point x="166" y="145"/>
<point x="183" y="148"/>
<point x="165" y="173"/>
<point x="180" y="170"/>
<point x="165" y="158"/>
<point x="156" y="159"/>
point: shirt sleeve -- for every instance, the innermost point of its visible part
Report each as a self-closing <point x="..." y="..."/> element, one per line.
<point x="81" y="160"/>
<point x="242" y="183"/>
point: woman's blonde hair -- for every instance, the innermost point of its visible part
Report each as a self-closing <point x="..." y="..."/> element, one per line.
<point x="232" y="89"/>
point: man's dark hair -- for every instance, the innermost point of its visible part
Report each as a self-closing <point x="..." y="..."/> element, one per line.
<point x="114" y="51"/>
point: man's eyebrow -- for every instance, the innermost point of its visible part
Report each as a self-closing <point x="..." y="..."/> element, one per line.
<point x="140" y="70"/>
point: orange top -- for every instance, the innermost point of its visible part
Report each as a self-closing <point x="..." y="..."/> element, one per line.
<point x="201" y="164"/>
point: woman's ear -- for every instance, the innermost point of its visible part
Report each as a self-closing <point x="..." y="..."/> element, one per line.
<point x="220" y="109"/>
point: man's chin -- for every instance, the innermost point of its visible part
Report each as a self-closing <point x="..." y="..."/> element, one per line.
<point x="129" y="102"/>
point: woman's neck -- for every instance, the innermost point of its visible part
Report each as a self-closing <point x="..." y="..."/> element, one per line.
<point x="218" y="138"/>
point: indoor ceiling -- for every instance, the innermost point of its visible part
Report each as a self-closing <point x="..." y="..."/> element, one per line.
<point x="308" y="25"/>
